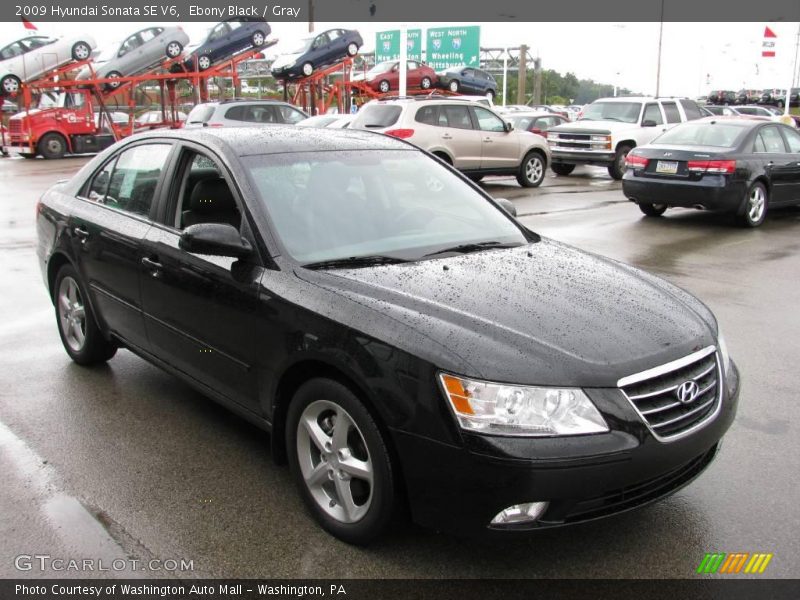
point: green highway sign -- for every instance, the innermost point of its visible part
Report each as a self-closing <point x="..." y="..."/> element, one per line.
<point x="387" y="45"/>
<point x="451" y="46"/>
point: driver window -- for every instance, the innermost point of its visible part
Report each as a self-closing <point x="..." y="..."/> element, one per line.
<point x="218" y="31"/>
<point x="11" y="51"/>
<point x="488" y="121"/>
<point x="131" y="43"/>
<point x="321" y="40"/>
<point x="205" y="196"/>
<point x="99" y="184"/>
<point x="652" y="113"/>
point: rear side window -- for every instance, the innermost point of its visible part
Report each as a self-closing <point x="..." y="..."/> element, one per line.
<point x="256" y="113"/>
<point x="133" y="182"/>
<point x="451" y="115"/>
<point x="671" y="111"/>
<point x="793" y="139"/>
<point x="201" y="113"/>
<point x="236" y="113"/>
<point x="428" y="115"/>
<point x="691" y="109"/>
<point x="377" y="116"/>
<point x="769" y="140"/>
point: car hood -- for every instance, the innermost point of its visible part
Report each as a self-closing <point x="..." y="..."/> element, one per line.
<point x="542" y="314"/>
<point x="595" y="126"/>
<point x="284" y="60"/>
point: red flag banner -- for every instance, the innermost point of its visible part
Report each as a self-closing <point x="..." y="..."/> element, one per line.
<point x="27" y="24"/>
<point x="768" y="33"/>
<point x="768" y="45"/>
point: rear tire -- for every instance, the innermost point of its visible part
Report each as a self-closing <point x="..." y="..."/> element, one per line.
<point x="10" y="84"/>
<point x="77" y="327"/>
<point x="562" y="168"/>
<point x="653" y="210"/>
<point x="203" y="62"/>
<point x="52" y="146"/>
<point x="532" y="170"/>
<point x="340" y="461"/>
<point x="308" y="69"/>
<point x="258" y="39"/>
<point x="453" y="86"/>
<point x="174" y="49"/>
<point x="490" y="95"/>
<point x="384" y="86"/>
<point x="476" y="177"/>
<point x="426" y="83"/>
<point x="352" y="49"/>
<point x="617" y="168"/>
<point x="81" y="51"/>
<point x="114" y="84"/>
<point x="444" y="157"/>
<point x="755" y="206"/>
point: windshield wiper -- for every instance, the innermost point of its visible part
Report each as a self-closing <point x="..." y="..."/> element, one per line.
<point x="356" y="261"/>
<point x="475" y="247"/>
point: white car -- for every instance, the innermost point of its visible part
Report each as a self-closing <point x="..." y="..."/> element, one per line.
<point x="30" y="57"/>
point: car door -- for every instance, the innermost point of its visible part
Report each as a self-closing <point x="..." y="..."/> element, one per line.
<point x="215" y="45"/>
<point x="468" y="81"/>
<point x="457" y="134"/>
<point x="413" y="76"/>
<point x="200" y="310"/>
<point x="108" y="229"/>
<point x="499" y="148"/>
<point x="779" y="165"/>
<point x="320" y="50"/>
<point x="129" y="57"/>
<point x="42" y="55"/>
<point x="789" y="169"/>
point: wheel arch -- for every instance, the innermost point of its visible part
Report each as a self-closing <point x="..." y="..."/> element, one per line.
<point x="55" y="262"/>
<point x="761" y="178"/>
<point x="628" y="142"/>
<point x="63" y="134"/>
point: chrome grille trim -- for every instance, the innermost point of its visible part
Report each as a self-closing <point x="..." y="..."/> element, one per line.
<point x="646" y="402"/>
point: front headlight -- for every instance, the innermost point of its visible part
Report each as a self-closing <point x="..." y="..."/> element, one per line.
<point x="723" y="353"/>
<point x="500" y="409"/>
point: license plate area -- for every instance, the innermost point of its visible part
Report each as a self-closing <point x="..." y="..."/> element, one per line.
<point x="667" y="167"/>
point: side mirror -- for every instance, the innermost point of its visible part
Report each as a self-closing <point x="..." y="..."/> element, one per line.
<point x="507" y="206"/>
<point x="214" y="239"/>
<point x="648" y="123"/>
<point x="507" y="127"/>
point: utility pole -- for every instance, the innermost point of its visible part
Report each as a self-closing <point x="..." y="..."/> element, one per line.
<point x="523" y="56"/>
<point x="537" y="80"/>
<point x="660" y="37"/>
<point x="310" y="16"/>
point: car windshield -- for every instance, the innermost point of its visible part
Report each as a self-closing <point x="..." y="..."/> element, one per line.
<point x="304" y="45"/>
<point x="383" y="67"/>
<point x="625" y="112"/>
<point x="720" y="135"/>
<point x="329" y="206"/>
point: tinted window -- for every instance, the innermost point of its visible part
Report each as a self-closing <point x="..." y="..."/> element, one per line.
<point x="99" y="184"/>
<point x="671" y="110"/>
<point x="11" y="51"/>
<point x="488" y="121"/>
<point x="375" y="116"/>
<point x="218" y="32"/>
<point x="260" y="114"/>
<point x="793" y="140"/>
<point x="428" y="115"/>
<point x="136" y="173"/>
<point x="703" y="134"/>
<point x="454" y="116"/>
<point x="652" y="113"/>
<point x="236" y="113"/>
<point x="691" y="109"/>
<point x="770" y="140"/>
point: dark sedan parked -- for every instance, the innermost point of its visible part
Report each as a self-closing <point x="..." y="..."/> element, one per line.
<point x="225" y="39"/>
<point x="468" y="80"/>
<point x="400" y="334"/>
<point x="318" y="51"/>
<point x="735" y="165"/>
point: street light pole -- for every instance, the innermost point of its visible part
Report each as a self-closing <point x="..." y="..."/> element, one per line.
<point x="660" y="37"/>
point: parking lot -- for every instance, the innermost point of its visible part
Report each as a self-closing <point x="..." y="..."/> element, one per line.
<point x="127" y="461"/>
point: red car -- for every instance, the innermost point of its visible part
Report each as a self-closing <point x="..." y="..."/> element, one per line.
<point x="535" y="122"/>
<point x="385" y="76"/>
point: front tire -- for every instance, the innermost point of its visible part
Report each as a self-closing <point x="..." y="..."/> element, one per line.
<point x="203" y="62"/>
<point x="113" y="84"/>
<point x="340" y="461"/>
<point x="174" y="49"/>
<point x="532" y="170"/>
<point x="617" y="168"/>
<point x="453" y="86"/>
<point x="426" y="83"/>
<point x="755" y="206"/>
<point x="562" y="168"/>
<point x="81" y="51"/>
<point x="352" y="49"/>
<point x="258" y="39"/>
<point x="10" y="84"/>
<point x="653" y="210"/>
<point x="384" y="86"/>
<point x="80" y="335"/>
<point x="52" y="146"/>
<point x="308" y="69"/>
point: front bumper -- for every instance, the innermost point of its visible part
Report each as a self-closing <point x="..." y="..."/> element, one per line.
<point x="461" y="489"/>
<point x="583" y="157"/>
<point x="711" y="192"/>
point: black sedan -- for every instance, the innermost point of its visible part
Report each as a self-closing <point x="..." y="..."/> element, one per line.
<point x="401" y="336"/>
<point x="735" y="165"/>
<point x="318" y="51"/>
<point x="225" y="39"/>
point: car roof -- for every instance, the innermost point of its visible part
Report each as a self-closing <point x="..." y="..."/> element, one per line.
<point x="738" y="120"/>
<point x="279" y="139"/>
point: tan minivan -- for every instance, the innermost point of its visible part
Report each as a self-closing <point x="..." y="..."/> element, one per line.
<point x="466" y="134"/>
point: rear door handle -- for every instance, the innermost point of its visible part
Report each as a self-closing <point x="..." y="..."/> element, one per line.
<point x="154" y="265"/>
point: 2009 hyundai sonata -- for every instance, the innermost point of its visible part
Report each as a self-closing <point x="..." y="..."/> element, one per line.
<point x="400" y="334"/>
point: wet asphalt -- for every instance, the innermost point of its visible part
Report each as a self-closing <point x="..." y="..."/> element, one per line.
<point x="124" y="461"/>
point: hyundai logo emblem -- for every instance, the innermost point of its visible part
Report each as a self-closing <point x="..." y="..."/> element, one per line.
<point x="687" y="392"/>
<point x="667" y="153"/>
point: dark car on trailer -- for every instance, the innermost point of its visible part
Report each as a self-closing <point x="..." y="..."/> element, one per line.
<point x="736" y="165"/>
<point x="226" y="39"/>
<point x="317" y="51"/>
<point x="399" y="333"/>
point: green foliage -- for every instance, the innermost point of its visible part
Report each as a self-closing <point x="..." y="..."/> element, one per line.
<point x="560" y="89"/>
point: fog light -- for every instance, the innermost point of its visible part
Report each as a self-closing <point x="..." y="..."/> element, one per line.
<point x="520" y="513"/>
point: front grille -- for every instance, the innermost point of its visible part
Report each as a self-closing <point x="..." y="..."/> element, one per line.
<point x="656" y="394"/>
<point x="14" y="126"/>
<point x="622" y="499"/>
<point x="579" y="137"/>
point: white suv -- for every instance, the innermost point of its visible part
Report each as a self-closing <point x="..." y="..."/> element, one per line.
<point x="467" y="135"/>
<point x="610" y="127"/>
<point x="243" y="113"/>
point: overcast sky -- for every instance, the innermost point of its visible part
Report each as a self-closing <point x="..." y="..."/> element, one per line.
<point x="621" y="53"/>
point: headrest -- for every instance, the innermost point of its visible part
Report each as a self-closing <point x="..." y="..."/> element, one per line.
<point x="212" y="195"/>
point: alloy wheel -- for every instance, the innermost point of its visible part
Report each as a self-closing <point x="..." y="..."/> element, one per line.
<point x="756" y="203"/>
<point x="81" y="51"/>
<point x="174" y="49"/>
<point x="203" y="62"/>
<point x="334" y="461"/>
<point x="72" y="314"/>
<point x="258" y="39"/>
<point x="534" y="169"/>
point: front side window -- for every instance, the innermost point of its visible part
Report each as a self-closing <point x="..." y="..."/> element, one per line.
<point x="488" y="121"/>
<point x="793" y="140"/>
<point x="290" y="115"/>
<point x="769" y="140"/>
<point x="336" y="205"/>
<point x="132" y="184"/>
<point x="652" y="113"/>
<point x="624" y="112"/>
<point x="205" y="196"/>
<point x="11" y="51"/>
<point x="130" y="44"/>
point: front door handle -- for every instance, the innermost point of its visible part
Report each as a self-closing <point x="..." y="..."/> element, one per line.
<point x="153" y="265"/>
<point x="81" y="233"/>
